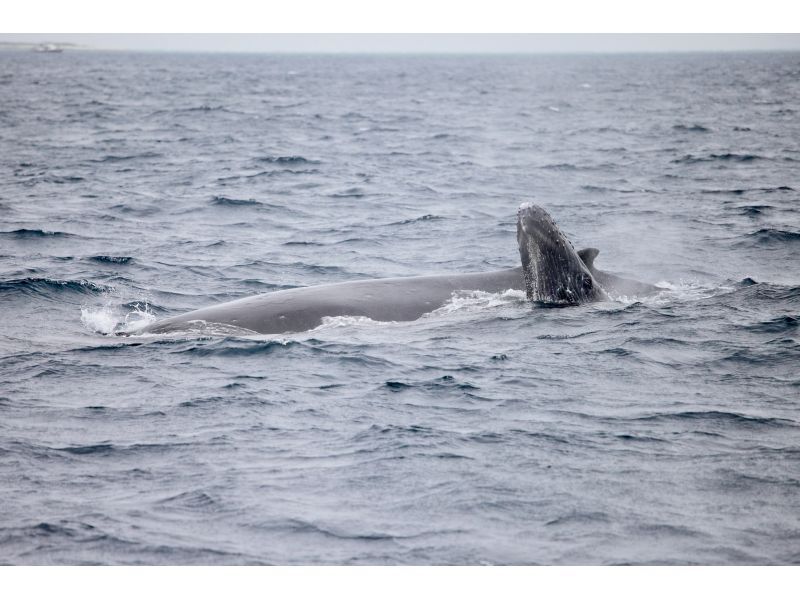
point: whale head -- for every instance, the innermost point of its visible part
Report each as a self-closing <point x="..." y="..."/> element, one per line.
<point x="554" y="273"/>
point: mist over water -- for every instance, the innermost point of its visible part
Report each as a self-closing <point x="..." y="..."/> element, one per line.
<point x="636" y="430"/>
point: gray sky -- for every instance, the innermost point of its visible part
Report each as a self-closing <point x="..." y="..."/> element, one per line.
<point x="420" y="43"/>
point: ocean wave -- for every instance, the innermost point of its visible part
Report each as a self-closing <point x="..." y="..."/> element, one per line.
<point x="603" y="189"/>
<point x="138" y="210"/>
<point x="108" y="448"/>
<point x="204" y="108"/>
<point x="112" y="259"/>
<point x="228" y="400"/>
<point x="124" y="158"/>
<point x="224" y="201"/>
<point x="638" y="438"/>
<point x="35" y="233"/>
<point x="51" y="287"/>
<point x="287" y="160"/>
<point x="351" y="192"/>
<point x="774" y="354"/>
<point x="775" y="325"/>
<point x="64" y="529"/>
<point x="307" y="527"/>
<point x="726" y="157"/>
<point x="742" y="481"/>
<point x="742" y="191"/>
<point x="449" y="382"/>
<point x="102" y="448"/>
<point x="691" y="129"/>
<point x="729" y="418"/>
<point x="221" y="200"/>
<point x="230" y="347"/>
<point x="193" y="500"/>
<point x="34" y="180"/>
<point x="580" y="518"/>
<point x="304" y="243"/>
<point x="396" y="385"/>
<point x="425" y="218"/>
<point x="560" y="166"/>
<point x="397" y="430"/>
<point x="131" y="342"/>
<point x="656" y="530"/>
<point x="749" y="290"/>
<point x="754" y="210"/>
<point x="446" y="382"/>
<point x="267" y="174"/>
<point x="774" y="237"/>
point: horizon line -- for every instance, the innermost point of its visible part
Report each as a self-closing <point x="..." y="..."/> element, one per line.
<point x="72" y="47"/>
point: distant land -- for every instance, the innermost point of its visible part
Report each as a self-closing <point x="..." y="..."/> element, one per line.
<point x="42" y="44"/>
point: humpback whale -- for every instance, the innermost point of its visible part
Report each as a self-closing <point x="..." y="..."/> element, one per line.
<point x="552" y="272"/>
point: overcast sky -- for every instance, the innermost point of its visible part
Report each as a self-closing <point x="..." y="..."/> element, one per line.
<point x="420" y="43"/>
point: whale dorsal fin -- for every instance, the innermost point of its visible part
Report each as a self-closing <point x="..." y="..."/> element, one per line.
<point x="588" y="255"/>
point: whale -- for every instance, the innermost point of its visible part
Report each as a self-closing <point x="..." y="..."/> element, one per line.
<point x="556" y="274"/>
<point x="551" y="272"/>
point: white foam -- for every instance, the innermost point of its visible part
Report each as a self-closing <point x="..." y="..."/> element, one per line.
<point x="684" y="290"/>
<point x="342" y="321"/>
<point x="689" y="290"/>
<point x="471" y="301"/>
<point x="459" y="302"/>
<point x="110" y="319"/>
<point x="99" y="319"/>
<point x="194" y="327"/>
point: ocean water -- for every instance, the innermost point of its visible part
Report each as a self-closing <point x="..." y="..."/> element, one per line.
<point x="641" y="430"/>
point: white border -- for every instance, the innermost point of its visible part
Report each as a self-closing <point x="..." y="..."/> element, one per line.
<point x="401" y="582"/>
<point x="386" y="16"/>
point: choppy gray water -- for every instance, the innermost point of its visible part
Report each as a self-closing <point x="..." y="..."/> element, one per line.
<point x="657" y="430"/>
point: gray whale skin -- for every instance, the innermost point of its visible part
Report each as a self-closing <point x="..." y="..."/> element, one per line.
<point x="551" y="273"/>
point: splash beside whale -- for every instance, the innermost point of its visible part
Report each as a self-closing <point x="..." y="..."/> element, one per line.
<point x="552" y="272"/>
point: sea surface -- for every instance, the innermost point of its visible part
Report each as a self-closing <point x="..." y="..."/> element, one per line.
<point x="639" y="430"/>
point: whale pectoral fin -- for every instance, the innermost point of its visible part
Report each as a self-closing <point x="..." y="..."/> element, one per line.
<point x="588" y="255"/>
